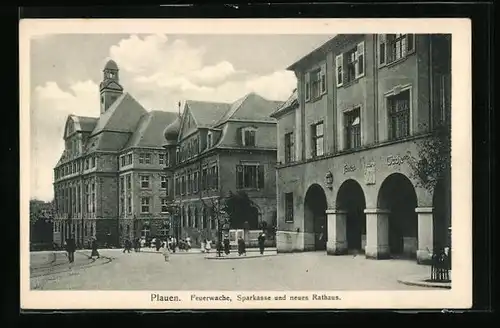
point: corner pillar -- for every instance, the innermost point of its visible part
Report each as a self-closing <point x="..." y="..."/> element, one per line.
<point x="337" y="239"/>
<point x="425" y="234"/>
<point x="377" y="234"/>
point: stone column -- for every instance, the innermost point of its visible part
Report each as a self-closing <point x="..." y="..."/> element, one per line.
<point x="337" y="237"/>
<point x="425" y="234"/>
<point x="377" y="233"/>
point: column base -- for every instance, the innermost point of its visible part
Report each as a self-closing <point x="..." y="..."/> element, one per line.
<point x="336" y="248"/>
<point x="377" y="253"/>
<point x="424" y="257"/>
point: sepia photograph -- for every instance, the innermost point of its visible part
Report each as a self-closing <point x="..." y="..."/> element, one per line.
<point x="183" y="164"/>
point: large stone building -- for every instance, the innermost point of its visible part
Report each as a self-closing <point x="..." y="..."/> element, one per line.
<point x="109" y="181"/>
<point x="345" y="140"/>
<point x="218" y="148"/>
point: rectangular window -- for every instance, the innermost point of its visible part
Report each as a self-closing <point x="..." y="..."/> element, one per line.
<point x="142" y="158"/>
<point x="398" y="46"/>
<point x="352" y="123"/>
<point x="307" y="87"/>
<point x="382" y="46"/>
<point x="315" y="80"/>
<point x="147" y="158"/>
<point x="122" y="185"/>
<point x="161" y="159"/>
<point x="164" y="182"/>
<point x="249" y="138"/>
<point x="145" y="204"/>
<point x="123" y="160"/>
<point x="144" y="181"/>
<point x="177" y="187"/>
<point x="215" y="177"/>
<point x="204" y="175"/>
<point x="399" y="115"/>
<point x="188" y="182"/>
<point x="183" y="185"/>
<point x="129" y="204"/>
<point x="93" y="161"/>
<point x="289" y="148"/>
<point x="317" y="139"/>
<point x="289" y="207"/>
<point x="164" y="205"/>
<point x="209" y="140"/>
<point x="129" y="181"/>
<point x="250" y="176"/>
<point x="129" y="159"/>
<point x="196" y="184"/>
<point x="339" y="70"/>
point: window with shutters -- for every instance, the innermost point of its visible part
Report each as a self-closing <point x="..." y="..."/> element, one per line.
<point x="317" y="133"/>
<point x="250" y="176"/>
<point x="248" y="136"/>
<point x="350" y="65"/>
<point x="352" y="122"/>
<point x="289" y="207"/>
<point x="399" y="108"/>
<point x="394" y="47"/>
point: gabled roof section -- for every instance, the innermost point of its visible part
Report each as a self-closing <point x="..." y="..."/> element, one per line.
<point x="251" y="107"/>
<point x="205" y="113"/>
<point x="149" y="131"/>
<point x="123" y="115"/>
<point x="291" y="102"/>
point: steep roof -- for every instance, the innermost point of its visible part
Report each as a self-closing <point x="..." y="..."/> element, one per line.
<point x="149" y="131"/>
<point x="251" y="107"/>
<point x="123" y="115"/>
<point x="206" y="113"/>
<point x="291" y="102"/>
<point x="87" y="124"/>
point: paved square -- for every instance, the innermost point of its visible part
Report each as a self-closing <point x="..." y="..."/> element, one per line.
<point x="299" y="271"/>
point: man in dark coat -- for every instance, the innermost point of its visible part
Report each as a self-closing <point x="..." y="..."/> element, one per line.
<point x="262" y="239"/>
<point x="71" y="248"/>
<point x="241" y="246"/>
<point x="227" y="248"/>
<point x="94" y="252"/>
<point x="158" y="244"/>
<point x="128" y="245"/>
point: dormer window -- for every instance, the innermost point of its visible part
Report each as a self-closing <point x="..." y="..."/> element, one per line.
<point x="248" y="136"/>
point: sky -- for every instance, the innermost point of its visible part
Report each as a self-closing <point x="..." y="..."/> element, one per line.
<point x="158" y="70"/>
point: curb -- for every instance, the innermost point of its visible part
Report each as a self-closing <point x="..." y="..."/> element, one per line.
<point x="198" y="252"/>
<point x="419" y="282"/>
<point x="238" y="257"/>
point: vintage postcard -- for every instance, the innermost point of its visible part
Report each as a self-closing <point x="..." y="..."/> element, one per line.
<point x="246" y="164"/>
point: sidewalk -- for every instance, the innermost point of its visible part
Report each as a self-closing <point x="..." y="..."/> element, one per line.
<point x="423" y="281"/>
<point x="234" y="255"/>
<point x="198" y="251"/>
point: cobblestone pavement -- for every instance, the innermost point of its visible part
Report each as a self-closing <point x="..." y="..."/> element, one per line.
<point x="299" y="271"/>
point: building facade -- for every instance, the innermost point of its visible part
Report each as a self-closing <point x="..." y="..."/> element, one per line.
<point x="218" y="148"/>
<point x="109" y="181"/>
<point x="345" y="139"/>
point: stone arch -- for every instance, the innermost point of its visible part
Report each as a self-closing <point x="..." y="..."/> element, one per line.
<point x="350" y="201"/>
<point x="315" y="221"/>
<point x="398" y="197"/>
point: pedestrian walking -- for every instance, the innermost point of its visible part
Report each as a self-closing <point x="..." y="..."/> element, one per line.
<point x="94" y="252"/>
<point x="261" y="239"/>
<point x="166" y="253"/>
<point x="227" y="248"/>
<point x="241" y="246"/>
<point x="158" y="244"/>
<point x="71" y="248"/>
<point x="208" y="246"/>
<point x="127" y="246"/>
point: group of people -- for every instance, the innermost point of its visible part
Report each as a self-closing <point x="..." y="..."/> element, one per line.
<point x="70" y="246"/>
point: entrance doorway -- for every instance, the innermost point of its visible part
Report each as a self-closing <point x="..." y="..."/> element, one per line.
<point x="351" y="199"/>
<point x="315" y="221"/>
<point x="397" y="195"/>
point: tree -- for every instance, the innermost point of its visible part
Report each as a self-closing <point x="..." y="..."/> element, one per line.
<point x="242" y="211"/>
<point x="432" y="166"/>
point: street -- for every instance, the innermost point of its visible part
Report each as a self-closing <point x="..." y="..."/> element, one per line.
<point x="299" y="271"/>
